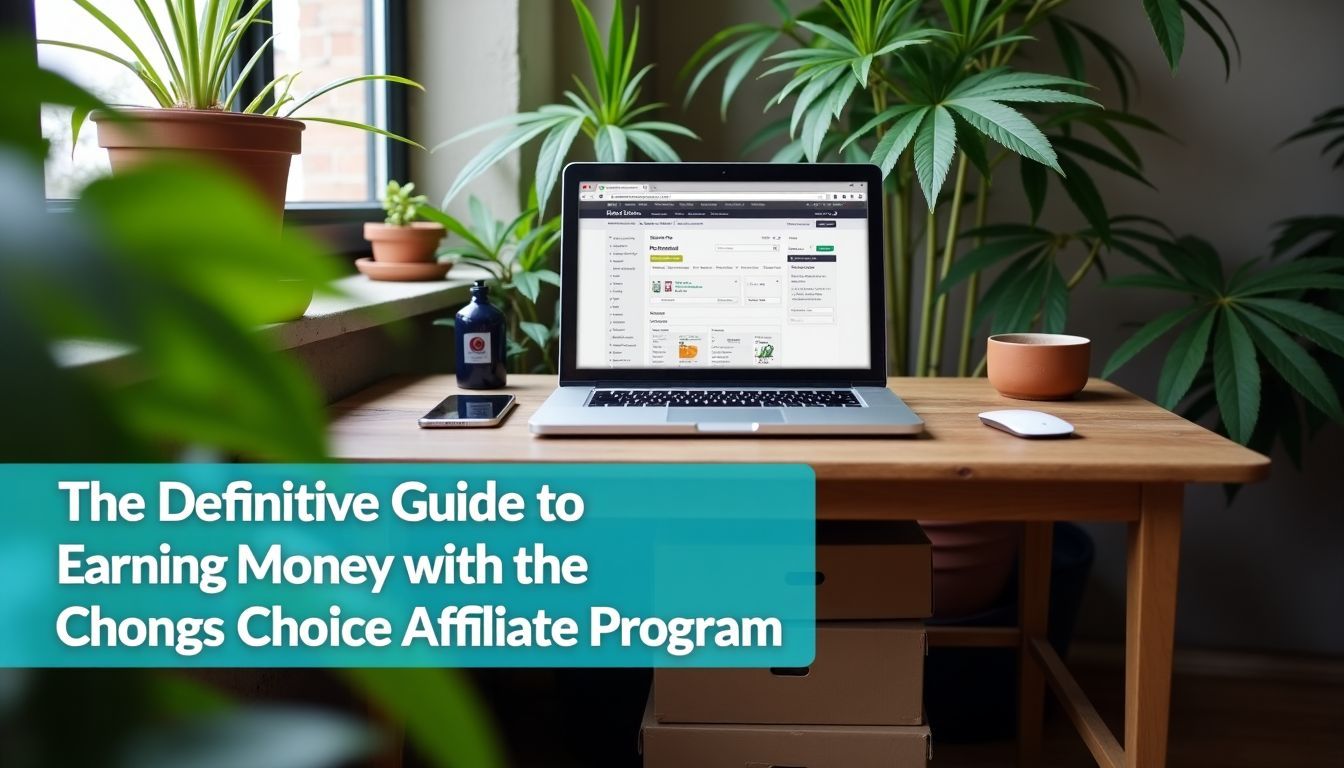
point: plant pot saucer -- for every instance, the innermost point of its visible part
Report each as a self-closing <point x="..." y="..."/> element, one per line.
<point x="403" y="272"/>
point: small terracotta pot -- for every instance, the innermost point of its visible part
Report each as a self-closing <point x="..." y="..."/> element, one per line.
<point x="256" y="148"/>
<point x="1038" y="366"/>
<point x="413" y="243"/>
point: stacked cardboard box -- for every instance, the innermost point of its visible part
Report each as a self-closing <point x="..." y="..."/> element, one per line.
<point x="860" y="703"/>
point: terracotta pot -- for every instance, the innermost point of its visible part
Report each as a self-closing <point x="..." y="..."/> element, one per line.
<point x="413" y="243"/>
<point x="972" y="563"/>
<point x="1038" y="366"/>
<point x="256" y="148"/>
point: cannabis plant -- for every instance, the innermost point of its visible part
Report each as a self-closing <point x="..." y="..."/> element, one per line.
<point x="199" y="41"/>
<point x="1264" y="346"/>
<point x="932" y="93"/>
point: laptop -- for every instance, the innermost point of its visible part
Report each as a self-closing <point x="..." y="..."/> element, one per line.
<point x="722" y="299"/>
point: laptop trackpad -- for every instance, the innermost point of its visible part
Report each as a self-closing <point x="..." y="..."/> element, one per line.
<point x="726" y="415"/>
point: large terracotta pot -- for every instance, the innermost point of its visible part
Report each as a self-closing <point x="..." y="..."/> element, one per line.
<point x="972" y="564"/>
<point x="256" y="148"/>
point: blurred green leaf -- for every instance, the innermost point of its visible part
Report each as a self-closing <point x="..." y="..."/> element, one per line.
<point x="439" y="710"/>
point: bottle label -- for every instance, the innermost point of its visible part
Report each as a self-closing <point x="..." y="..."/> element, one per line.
<point x="476" y="347"/>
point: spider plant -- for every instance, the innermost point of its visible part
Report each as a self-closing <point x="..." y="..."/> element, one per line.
<point x="608" y="114"/>
<point x="198" y="41"/>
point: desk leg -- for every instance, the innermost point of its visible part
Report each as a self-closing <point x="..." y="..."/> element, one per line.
<point x="1154" y="551"/>
<point x="1033" y="600"/>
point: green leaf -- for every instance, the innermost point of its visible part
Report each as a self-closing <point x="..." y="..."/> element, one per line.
<point x="440" y="711"/>
<point x="1322" y="326"/>
<point x="1122" y="69"/>
<point x="1100" y="156"/>
<point x="1293" y="363"/>
<point x="456" y="227"/>
<point x="832" y="36"/>
<point x="1145" y="336"/>
<point x="1236" y="377"/>
<point x="361" y="127"/>
<point x="737" y="72"/>
<point x="1055" y="314"/>
<point x="1083" y="192"/>
<point x="884" y="116"/>
<point x="1302" y="274"/>
<point x="1002" y="288"/>
<point x="656" y="149"/>
<point x="338" y="84"/>
<point x="1008" y="127"/>
<point x="1169" y="26"/>
<point x="1069" y="49"/>
<point x="537" y="332"/>
<point x="935" y="144"/>
<point x="1034" y="185"/>
<point x="985" y="256"/>
<point x="551" y="158"/>
<point x="1156" y="281"/>
<point x="529" y="285"/>
<point x="610" y="146"/>
<point x="1184" y="360"/>
<point x="1197" y="16"/>
<point x="498" y="150"/>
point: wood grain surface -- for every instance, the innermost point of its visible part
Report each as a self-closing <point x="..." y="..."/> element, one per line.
<point x="1120" y="438"/>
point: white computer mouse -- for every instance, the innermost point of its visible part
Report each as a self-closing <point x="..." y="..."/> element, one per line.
<point x="1023" y="423"/>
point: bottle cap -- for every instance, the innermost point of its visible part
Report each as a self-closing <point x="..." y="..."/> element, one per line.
<point x="480" y="290"/>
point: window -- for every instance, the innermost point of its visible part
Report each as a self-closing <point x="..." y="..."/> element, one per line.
<point x="340" y="171"/>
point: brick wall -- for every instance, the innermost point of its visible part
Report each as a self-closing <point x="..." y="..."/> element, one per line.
<point x="325" y="39"/>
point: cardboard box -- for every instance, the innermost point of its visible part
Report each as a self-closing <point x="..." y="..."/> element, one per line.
<point x="873" y="570"/>
<point x="760" y="746"/>
<point x="865" y="673"/>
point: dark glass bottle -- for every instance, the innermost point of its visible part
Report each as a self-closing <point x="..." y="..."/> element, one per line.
<point x="480" y="342"/>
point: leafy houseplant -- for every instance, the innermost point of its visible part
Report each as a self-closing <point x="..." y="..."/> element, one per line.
<point x="200" y="108"/>
<point x="517" y="254"/>
<point x="520" y="254"/>
<point x="933" y="93"/>
<point x="401" y="238"/>
<point x="111" y="269"/>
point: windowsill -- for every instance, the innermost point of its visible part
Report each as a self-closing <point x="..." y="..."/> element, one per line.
<point x="362" y="304"/>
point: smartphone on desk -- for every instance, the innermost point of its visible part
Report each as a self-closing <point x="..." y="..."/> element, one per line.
<point x="468" y="411"/>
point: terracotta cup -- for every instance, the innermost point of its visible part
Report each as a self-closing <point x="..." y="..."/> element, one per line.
<point x="1038" y="366"/>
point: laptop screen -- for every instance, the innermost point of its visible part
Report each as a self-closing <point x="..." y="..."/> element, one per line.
<point x="723" y="275"/>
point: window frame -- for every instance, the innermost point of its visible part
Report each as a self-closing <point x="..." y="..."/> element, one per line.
<point x="340" y="224"/>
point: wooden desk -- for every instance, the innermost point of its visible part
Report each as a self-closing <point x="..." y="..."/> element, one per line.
<point x="1128" y="463"/>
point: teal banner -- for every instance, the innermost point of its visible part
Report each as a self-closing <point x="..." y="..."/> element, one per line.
<point x="407" y="565"/>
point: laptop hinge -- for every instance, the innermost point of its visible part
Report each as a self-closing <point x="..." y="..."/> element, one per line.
<point x="717" y="384"/>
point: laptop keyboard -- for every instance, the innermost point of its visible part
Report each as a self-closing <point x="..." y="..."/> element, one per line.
<point x="724" y="398"/>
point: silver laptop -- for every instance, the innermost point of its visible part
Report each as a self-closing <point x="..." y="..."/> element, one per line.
<point x="722" y="299"/>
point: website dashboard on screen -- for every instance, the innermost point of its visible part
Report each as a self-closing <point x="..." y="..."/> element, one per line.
<point x="723" y="275"/>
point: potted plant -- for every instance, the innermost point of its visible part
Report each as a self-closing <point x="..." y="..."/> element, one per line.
<point x="200" y="107"/>
<point x="609" y="115"/>
<point x="929" y="93"/>
<point x="402" y="238"/>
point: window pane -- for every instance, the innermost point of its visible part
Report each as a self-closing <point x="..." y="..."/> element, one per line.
<point x="68" y="172"/>
<point x="324" y="40"/>
<point x="328" y="40"/>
